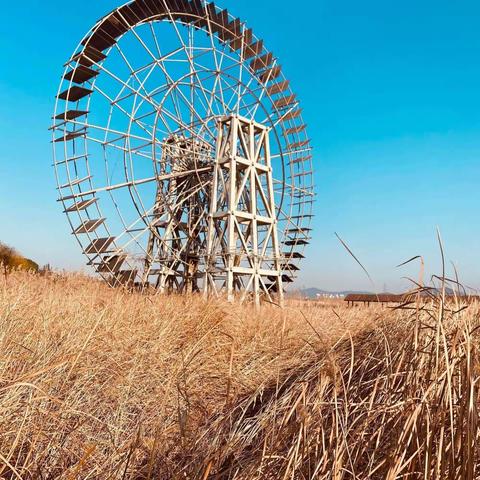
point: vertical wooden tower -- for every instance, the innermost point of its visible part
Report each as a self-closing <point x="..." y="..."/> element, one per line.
<point x="242" y="241"/>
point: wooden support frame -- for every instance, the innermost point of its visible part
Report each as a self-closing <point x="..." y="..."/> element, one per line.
<point x="177" y="229"/>
<point x="243" y="254"/>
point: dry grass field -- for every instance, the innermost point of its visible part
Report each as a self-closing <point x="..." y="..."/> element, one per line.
<point x="98" y="383"/>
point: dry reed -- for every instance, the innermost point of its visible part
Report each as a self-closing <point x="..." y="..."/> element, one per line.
<point x="98" y="383"/>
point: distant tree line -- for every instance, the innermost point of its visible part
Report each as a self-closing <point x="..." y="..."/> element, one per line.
<point x="10" y="259"/>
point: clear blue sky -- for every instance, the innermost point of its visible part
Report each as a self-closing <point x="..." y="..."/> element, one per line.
<point x="391" y="94"/>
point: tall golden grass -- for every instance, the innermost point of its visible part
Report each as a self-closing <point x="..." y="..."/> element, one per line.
<point x="98" y="383"/>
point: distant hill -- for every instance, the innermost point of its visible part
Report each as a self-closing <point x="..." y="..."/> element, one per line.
<point x="313" y="292"/>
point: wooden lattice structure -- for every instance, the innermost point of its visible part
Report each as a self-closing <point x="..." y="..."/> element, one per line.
<point x="243" y="251"/>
